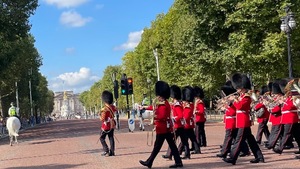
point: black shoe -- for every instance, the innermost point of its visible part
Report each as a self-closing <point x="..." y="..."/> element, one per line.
<point x="258" y="160"/>
<point x="229" y="160"/>
<point x="144" y="163"/>
<point x="221" y="146"/>
<point x="186" y="157"/>
<point x="221" y="155"/>
<point x="106" y="154"/>
<point x="111" y="153"/>
<point x="179" y="165"/>
<point x="276" y="150"/>
<point x="165" y="156"/>
<point x="258" y="142"/>
<point x="297" y="157"/>
<point x="196" y="152"/>
<point x="244" y="154"/>
<point x="298" y="152"/>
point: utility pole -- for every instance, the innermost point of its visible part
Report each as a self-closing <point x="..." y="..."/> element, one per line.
<point x="17" y="99"/>
<point x="31" y="108"/>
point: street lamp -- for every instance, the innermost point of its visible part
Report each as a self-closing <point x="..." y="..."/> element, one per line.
<point x="288" y="23"/>
<point x="157" y="66"/>
<point x="149" y="86"/>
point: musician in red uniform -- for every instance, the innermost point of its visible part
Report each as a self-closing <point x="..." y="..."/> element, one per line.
<point x="230" y="121"/>
<point x="262" y="115"/>
<point x="178" y="121"/>
<point x="108" y="123"/>
<point x="289" y="121"/>
<point x="242" y="105"/>
<point x="188" y="109"/>
<point x="275" y="115"/>
<point x="163" y="127"/>
<point x="200" y="117"/>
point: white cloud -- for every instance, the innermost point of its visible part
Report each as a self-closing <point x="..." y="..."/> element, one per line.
<point x="75" y="81"/>
<point x="70" y="50"/>
<point x="133" y="40"/>
<point x="66" y="3"/>
<point x="73" y="19"/>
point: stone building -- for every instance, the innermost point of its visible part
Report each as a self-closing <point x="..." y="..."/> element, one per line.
<point x="67" y="101"/>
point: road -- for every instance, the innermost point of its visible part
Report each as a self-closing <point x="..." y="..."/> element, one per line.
<point x="74" y="144"/>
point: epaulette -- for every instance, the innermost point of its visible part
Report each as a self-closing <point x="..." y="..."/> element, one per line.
<point x="104" y="109"/>
<point x="161" y="102"/>
<point x="246" y="94"/>
<point x="177" y="104"/>
<point x="187" y="105"/>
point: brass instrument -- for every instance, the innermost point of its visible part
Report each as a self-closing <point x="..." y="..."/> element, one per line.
<point x="150" y="142"/>
<point x="226" y="100"/>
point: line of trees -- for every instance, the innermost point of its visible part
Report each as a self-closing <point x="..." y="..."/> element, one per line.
<point x="203" y="42"/>
<point x="20" y="61"/>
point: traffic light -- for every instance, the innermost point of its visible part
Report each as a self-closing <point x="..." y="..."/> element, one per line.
<point x="124" y="87"/>
<point x="116" y="89"/>
<point x="130" y="86"/>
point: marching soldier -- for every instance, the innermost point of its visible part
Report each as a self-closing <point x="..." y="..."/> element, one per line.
<point x="188" y="109"/>
<point x="262" y="115"/>
<point x="178" y="121"/>
<point x="200" y="117"/>
<point x="163" y="127"/>
<point x="242" y="105"/>
<point x="108" y="123"/>
<point x="289" y="121"/>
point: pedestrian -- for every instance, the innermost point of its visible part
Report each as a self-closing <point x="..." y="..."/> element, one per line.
<point x="242" y="105"/>
<point x="108" y="123"/>
<point x="163" y="127"/>
<point x="199" y="112"/>
<point x="1" y="125"/>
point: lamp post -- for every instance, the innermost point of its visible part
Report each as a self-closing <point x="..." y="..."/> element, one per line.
<point x="157" y="66"/>
<point x="149" y="86"/>
<point x="288" y="23"/>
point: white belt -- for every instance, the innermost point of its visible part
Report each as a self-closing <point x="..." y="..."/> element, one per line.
<point x="230" y="117"/>
<point x="289" y="111"/>
<point x="240" y="111"/>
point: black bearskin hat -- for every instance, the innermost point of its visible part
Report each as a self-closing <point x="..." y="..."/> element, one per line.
<point x="162" y="89"/>
<point x="282" y="84"/>
<point x="276" y="87"/>
<point x="240" y="81"/>
<point x="175" y="92"/>
<point x="228" y="90"/>
<point x="188" y="94"/>
<point x="263" y="90"/>
<point x="107" y="97"/>
<point x="228" y="83"/>
<point x="199" y="92"/>
<point x="270" y="84"/>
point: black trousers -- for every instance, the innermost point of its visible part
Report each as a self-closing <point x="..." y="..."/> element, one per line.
<point x="244" y="134"/>
<point x="274" y="135"/>
<point x="110" y="135"/>
<point x="288" y="131"/>
<point x="262" y="129"/>
<point x="200" y="133"/>
<point x="230" y="135"/>
<point x="160" y="138"/>
<point x="179" y="132"/>
<point x="190" y="134"/>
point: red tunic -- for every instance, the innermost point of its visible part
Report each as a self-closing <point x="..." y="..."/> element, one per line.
<point x="177" y="111"/>
<point x="275" y="116"/>
<point x="266" y="112"/>
<point x="289" y="112"/>
<point x="200" y="111"/>
<point x="107" y="117"/>
<point x="188" y="116"/>
<point x="230" y="118"/>
<point x="162" y="119"/>
<point x="242" y="107"/>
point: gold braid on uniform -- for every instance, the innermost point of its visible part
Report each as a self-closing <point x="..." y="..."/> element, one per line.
<point x="103" y="111"/>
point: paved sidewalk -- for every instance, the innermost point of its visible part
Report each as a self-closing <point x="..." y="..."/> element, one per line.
<point x="74" y="144"/>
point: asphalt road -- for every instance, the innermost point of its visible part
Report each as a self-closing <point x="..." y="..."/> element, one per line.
<point x="74" y="144"/>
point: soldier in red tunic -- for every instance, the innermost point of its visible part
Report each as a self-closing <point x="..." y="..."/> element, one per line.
<point x="108" y="123"/>
<point x="262" y="115"/>
<point x="200" y="115"/>
<point x="163" y="127"/>
<point x="178" y="121"/>
<point x="242" y="106"/>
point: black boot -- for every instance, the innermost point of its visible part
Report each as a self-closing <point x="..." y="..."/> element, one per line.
<point x="144" y="163"/>
<point x="258" y="160"/>
<point x="179" y="165"/>
<point x="229" y="160"/>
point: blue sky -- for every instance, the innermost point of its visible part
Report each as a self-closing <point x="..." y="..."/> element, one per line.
<point x="78" y="39"/>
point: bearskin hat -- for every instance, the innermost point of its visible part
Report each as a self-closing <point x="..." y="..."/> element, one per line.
<point x="198" y="91"/>
<point x="270" y="84"/>
<point x="240" y="81"/>
<point x="107" y="97"/>
<point x="276" y="87"/>
<point x="263" y="90"/>
<point x="283" y="83"/>
<point x="228" y="90"/>
<point x="175" y="92"/>
<point x="162" y="89"/>
<point x="228" y="83"/>
<point x="188" y="94"/>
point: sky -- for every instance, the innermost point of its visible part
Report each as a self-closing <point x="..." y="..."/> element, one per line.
<point x="78" y="39"/>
